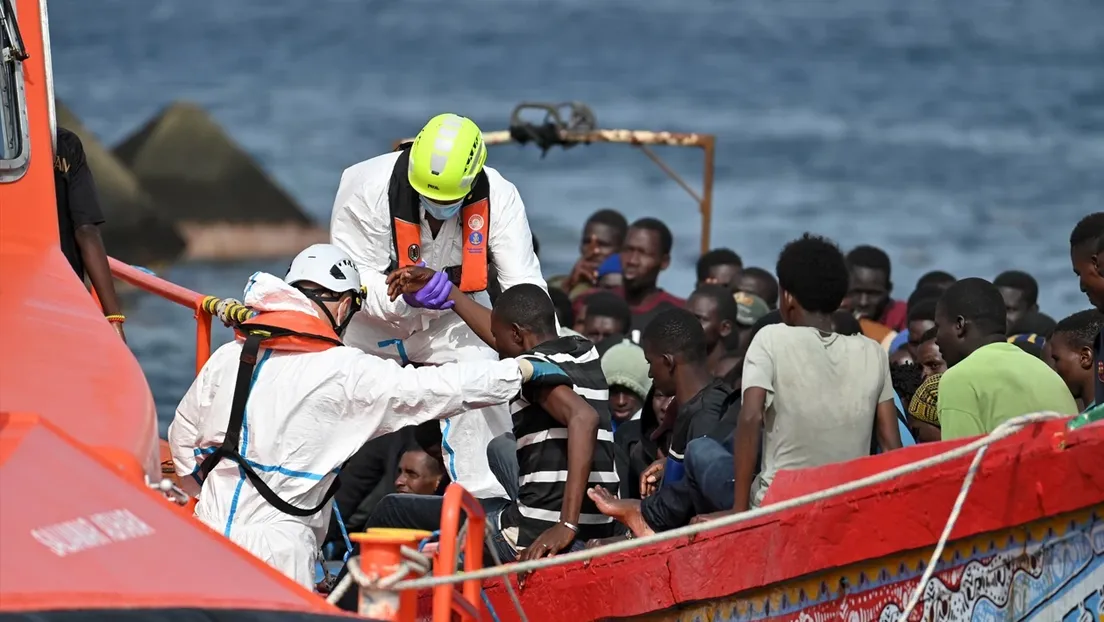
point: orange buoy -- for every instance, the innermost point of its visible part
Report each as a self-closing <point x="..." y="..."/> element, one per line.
<point x="380" y="557"/>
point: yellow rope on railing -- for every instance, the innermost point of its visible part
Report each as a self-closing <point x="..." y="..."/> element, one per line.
<point x="227" y="310"/>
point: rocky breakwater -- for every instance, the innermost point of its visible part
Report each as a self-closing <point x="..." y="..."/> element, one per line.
<point x="220" y="200"/>
<point x="135" y="231"/>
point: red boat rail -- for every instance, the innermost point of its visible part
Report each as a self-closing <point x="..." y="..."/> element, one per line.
<point x="446" y="598"/>
<point x="173" y="293"/>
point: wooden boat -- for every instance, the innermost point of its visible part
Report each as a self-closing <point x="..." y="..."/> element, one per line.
<point x="87" y="532"/>
<point x="1028" y="545"/>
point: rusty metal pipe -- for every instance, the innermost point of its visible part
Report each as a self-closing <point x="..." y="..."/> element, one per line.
<point x="709" y="146"/>
<point x="643" y="139"/>
<point x="670" y="172"/>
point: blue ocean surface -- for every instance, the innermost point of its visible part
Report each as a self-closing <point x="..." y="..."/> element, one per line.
<point x="965" y="136"/>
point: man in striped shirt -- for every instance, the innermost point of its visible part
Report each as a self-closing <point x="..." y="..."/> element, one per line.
<point x="561" y="423"/>
<point x="564" y="438"/>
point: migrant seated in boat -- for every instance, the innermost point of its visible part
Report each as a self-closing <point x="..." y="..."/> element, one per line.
<point x="561" y="438"/>
<point x="811" y="395"/>
<point x="1087" y="259"/>
<point x="607" y="315"/>
<point x="603" y="235"/>
<point x="421" y="473"/>
<point x="869" y="289"/>
<point x="716" y="308"/>
<point x="430" y="203"/>
<point x="720" y="266"/>
<point x="1071" y="353"/>
<point x="285" y="404"/>
<point x="646" y="254"/>
<point x="989" y="380"/>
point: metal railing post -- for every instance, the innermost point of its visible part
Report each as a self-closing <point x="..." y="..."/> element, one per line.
<point x="381" y="556"/>
<point x="446" y="599"/>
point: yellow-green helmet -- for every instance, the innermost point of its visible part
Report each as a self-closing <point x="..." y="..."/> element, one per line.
<point x="446" y="156"/>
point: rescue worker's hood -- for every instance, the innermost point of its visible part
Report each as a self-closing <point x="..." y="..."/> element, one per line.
<point x="265" y="293"/>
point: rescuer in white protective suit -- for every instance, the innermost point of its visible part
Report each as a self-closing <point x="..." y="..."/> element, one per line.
<point x="274" y="414"/>
<point x="434" y="202"/>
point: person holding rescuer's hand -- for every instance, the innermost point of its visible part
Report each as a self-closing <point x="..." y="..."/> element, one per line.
<point x="561" y="423"/>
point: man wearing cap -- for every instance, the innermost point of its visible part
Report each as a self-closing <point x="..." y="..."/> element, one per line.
<point x="609" y="273"/>
<point x="630" y="386"/>
<point x="626" y="372"/>
<point x="433" y="202"/>
<point x="749" y="310"/>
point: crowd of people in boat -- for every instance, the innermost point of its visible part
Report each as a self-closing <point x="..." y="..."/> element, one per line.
<point x="424" y="346"/>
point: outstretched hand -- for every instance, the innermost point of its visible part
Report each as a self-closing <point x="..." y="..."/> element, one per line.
<point x="651" y="478"/>
<point x="554" y="539"/>
<point x="408" y="280"/>
<point x="421" y="288"/>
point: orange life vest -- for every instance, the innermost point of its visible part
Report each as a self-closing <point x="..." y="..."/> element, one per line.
<point x="291" y="331"/>
<point x="406" y="228"/>
<point x="288" y="331"/>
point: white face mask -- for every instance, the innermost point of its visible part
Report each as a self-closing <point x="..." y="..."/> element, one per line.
<point x="441" y="211"/>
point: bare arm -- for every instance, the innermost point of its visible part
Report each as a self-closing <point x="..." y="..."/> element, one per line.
<point x="885" y="420"/>
<point x="475" y="315"/>
<point x="746" y="445"/>
<point x="411" y="279"/>
<point x="84" y="209"/>
<point x="566" y="407"/>
<point x="389" y="396"/>
<point x="885" y="415"/>
<point x="581" y="420"/>
<point x="99" y="271"/>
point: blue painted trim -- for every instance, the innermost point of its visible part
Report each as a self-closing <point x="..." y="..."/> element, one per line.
<point x="399" y="347"/>
<point x="344" y="532"/>
<point x="245" y="441"/>
<point x="245" y="411"/>
<point x="234" y="503"/>
<point x="449" y="450"/>
<point x="487" y="601"/>
<point x="264" y="467"/>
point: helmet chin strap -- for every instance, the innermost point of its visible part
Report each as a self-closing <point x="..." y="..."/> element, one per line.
<point x="321" y="301"/>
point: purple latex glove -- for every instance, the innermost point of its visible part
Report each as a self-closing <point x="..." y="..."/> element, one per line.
<point x="435" y="294"/>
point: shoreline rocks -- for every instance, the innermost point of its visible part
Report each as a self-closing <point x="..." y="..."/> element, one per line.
<point x="134" y="231"/>
<point x="180" y="187"/>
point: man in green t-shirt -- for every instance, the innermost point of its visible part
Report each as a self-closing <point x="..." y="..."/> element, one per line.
<point x="990" y="380"/>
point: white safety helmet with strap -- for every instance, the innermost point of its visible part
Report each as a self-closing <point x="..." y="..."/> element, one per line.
<point x="330" y="268"/>
<point x="325" y="265"/>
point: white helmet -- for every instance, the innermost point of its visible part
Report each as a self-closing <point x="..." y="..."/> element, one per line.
<point x="325" y="265"/>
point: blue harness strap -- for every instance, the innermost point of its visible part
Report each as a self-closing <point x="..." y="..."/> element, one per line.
<point x="344" y="532"/>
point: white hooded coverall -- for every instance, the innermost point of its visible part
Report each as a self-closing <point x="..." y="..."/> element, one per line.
<point x="307" y="413"/>
<point x="361" y="226"/>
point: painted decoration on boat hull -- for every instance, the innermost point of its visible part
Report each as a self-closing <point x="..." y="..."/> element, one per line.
<point x="1048" y="570"/>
